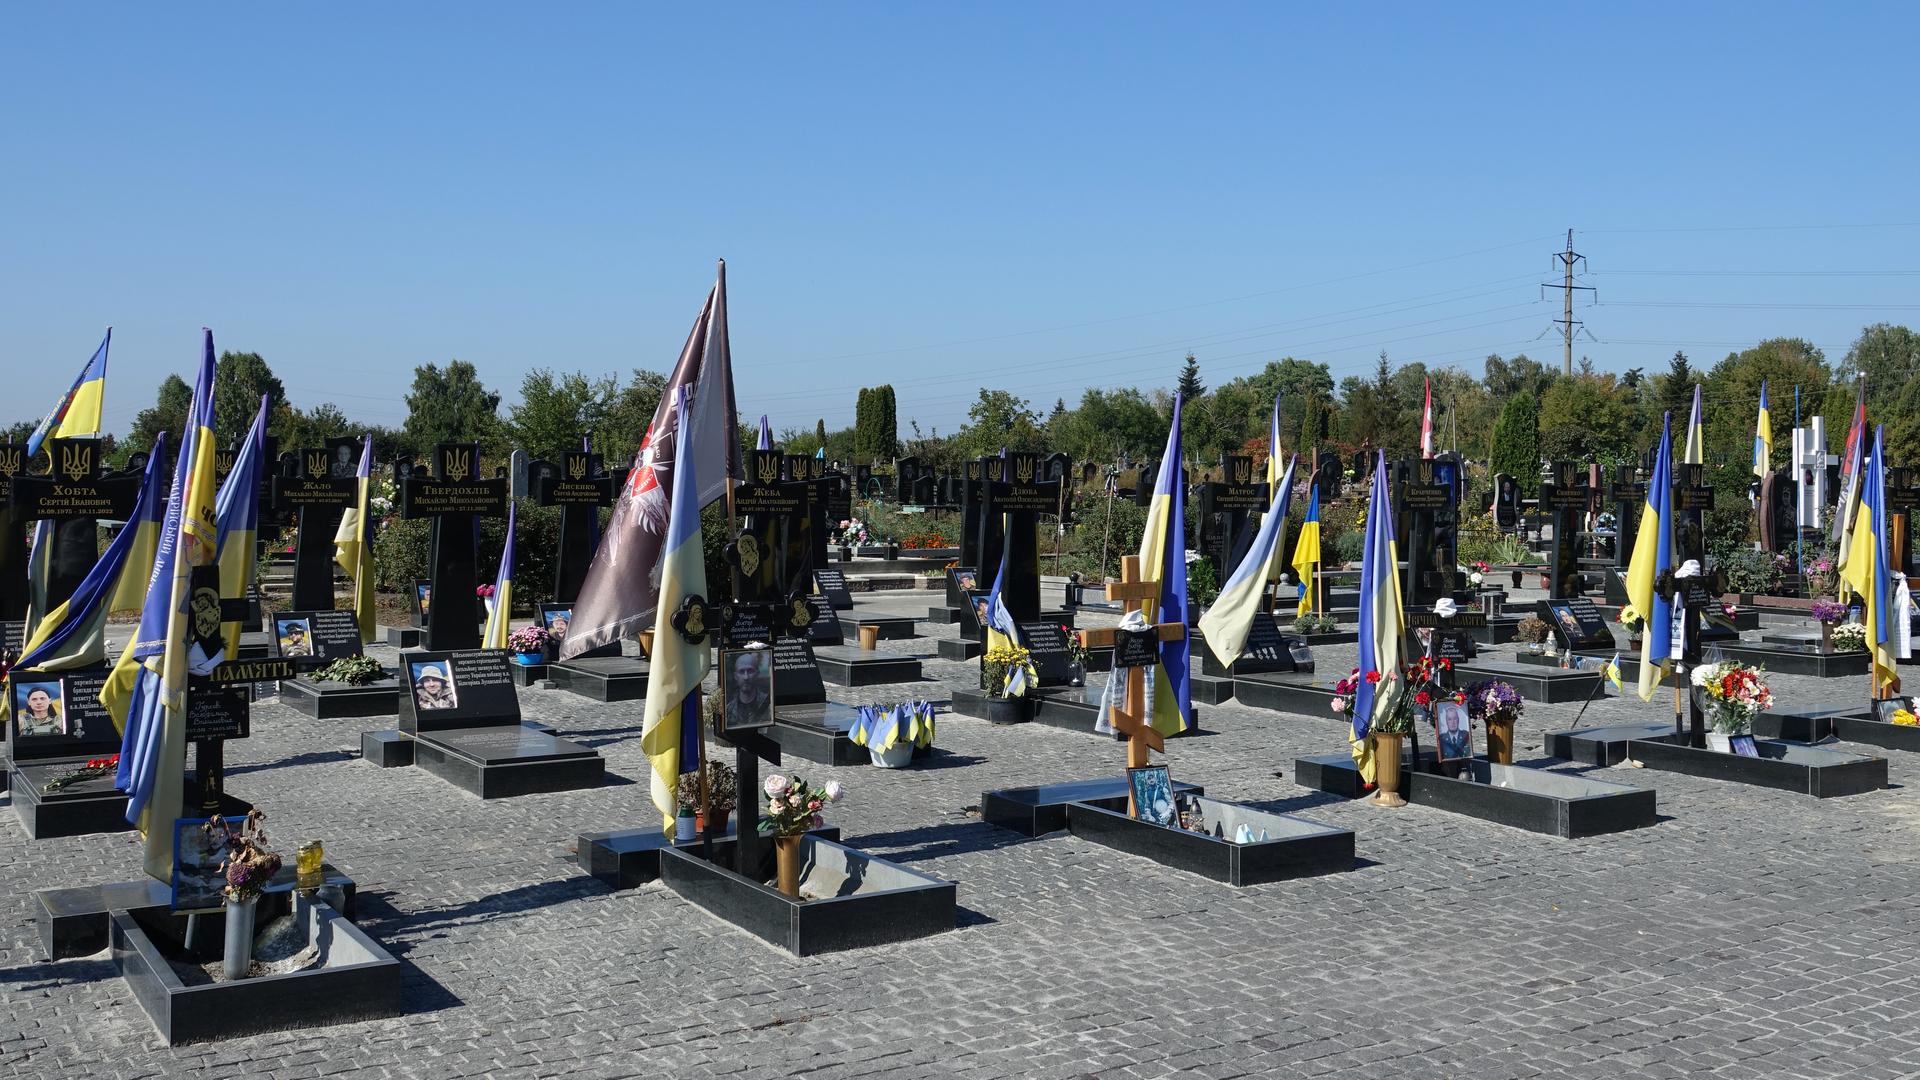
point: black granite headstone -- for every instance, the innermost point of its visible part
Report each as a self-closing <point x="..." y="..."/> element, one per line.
<point x="457" y="689"/>
<point x="454" y="497"/>
<point x="318" y="496"/>
<point x="1052" y="657"/>
<point x="1577" y="624"/>
<point x="80" y="726"/>
<point x="315" y="638"/>
<point x="833" y="585"/>
<point x="73" y="494"/>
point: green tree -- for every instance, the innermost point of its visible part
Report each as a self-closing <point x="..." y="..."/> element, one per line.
<point x="556" y="410"/>
<point x="168" y="413"/>
<point x="1732" y="401"/>
<point x="1374" y="415"/>
<point x="1520" y="375"/>
<point x="1190" y="387"/>
<point x="450" y="405"/>
<point x="998" y="419"/>
<point x="1588" y="416"/>
<point x="1110" y="424"/>
<point x="1516" y="440"/>
<point x="239" y="381"/>
<point x="300" y="429"/>
<point x="1888" y="358"/>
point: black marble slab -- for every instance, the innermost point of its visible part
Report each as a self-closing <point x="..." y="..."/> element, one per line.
<point x="1036" y="811"/>
<point x="1537" y="800"/>
<point x="944" y="615"/>
<point x="1207" y="690"/>
<point x="1804" y="770"/>
<point x="818" y="732"/>
<point x="402" y="637"/>
<point x="959" y="648"/>
<point x="862" y="900"/>
<point x="500" y="762"/>
<point x="1787" y="660"/>
<point x="849" y="665"/>
<point x="525" y="675"/>
<point x="602" y="678"/>
<point x="254" y="645"/>
<point x="387" y="749"/>
<point x="890" y="627"/>
<point x="1299" y="694"/>
<point x="1061" y="707"/>
<point x="334" y="700"/>
<point x="1294" y="847"/>
<point x="73" y="921"/>
<point x="1336" y="774"/>
<point x="1603" y="745"/>
<point x="1629" y="666"/>
<point x="629" y="858"/>
<point x="355" y="979"/>
<point x="1534" y="682"/>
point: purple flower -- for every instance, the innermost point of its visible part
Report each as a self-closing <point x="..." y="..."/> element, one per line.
<point x="1827" y="611"/>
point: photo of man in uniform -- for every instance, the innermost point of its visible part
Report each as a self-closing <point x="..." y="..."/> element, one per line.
<point x="749" y="689"/>
<point x="432" y="689"/>
<point x="294" y="638"/>
<point x="558" y="620"/>
<point x="37" y="709"/>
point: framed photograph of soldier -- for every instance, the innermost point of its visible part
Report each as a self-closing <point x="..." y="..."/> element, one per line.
<point x="556" y="618"/>
<point x="422" y="600"/>
<point x="973" y="618"/>
<point x="746" y="694"/>
<point x="54" y="714"/>
<point x="1153" y="800"/>
<point x="317" y="637"/>
<point x="1452" y="732"/>
<point x="38" y="708"/>
<point x="197" y="855"/>
<point x="462" y="688"/>
<point x="293" y="635"/>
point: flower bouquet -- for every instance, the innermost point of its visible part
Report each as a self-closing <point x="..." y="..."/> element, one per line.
<point x="793" y="807"/>
<point x="1007" y="670"/>
<point x="249" y="867"/>
<point x="530" y="642"/>
<point x="1828" y="612"/>
<point x="1848" y="637"/>
<point x="93" y="769"/>
<point x="1732" y="694"/>
<point x="1497" y="705"/>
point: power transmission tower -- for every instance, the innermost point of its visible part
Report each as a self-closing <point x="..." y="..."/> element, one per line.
<point x="1568" y="259"/>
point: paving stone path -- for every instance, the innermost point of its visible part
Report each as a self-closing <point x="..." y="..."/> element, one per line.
<point x="1751" y="933"/>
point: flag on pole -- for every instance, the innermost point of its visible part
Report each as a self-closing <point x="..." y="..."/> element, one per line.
<point x="1001" y="631"/>
<point x="1869" y="571"/>
<point x="1426" y="420"/>
<point x="622" y="590"/>
<point x="1229" y="622"/>
<point x="766" y="434"/>
<point x="1163" y="558"/>
<point x="1652" y="557"/>
<point x="1306" y="551"/>
<point x="1696" y="453"/>
<point x="153" y="750"/>
<point x="670" y="727"/>
<point x="1846" y="511"/>
<point x="1382" y="622"/>
<point x="353" y="542"/>
<point x="238" y="509"/>
<point x="73" y="635"/>
<point x="500" y="604"/>
<point x="77" y="414"/>
<point x="1763" y="437"/>
<point x="1856" y="433"/>
<point x="1612" y="671"/>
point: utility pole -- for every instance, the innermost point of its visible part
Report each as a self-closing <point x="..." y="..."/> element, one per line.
<point x="1568" y="260"/>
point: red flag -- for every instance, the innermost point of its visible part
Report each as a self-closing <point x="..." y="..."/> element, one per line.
<point x="1426" y="421"/>
<point x="622" y="589"/>
<point x="1854" y="431"/>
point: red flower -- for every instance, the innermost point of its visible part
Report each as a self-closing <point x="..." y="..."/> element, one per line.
<point x="1446" y="664"/>
<point x="1459" y="697"/>
<point x="1373" y="678"/>
<point x="1423" y="699"/>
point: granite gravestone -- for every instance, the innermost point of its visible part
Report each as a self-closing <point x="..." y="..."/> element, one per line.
<point x="1577" y="624"/>
<point x="1227" y="507"/>
<point x="454" y="497"/>
<point x="1429" y="508"/>
<point x="313" y="639"/>
<point x="318" y="497"/>
<point x="1565" y="498"/>
<point x="1447" y="638"/>
<point x="580" y="486"/>
<point x="74" y="494"/>
<point x="833" y="586"/>
<point x="465" y="688"/>
<point x="1506" y="502"/>
<point x="13" y="538"/>
<point x="770" y="553"/>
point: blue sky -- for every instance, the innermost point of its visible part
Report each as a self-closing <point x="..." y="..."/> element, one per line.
<point x="1040" y="197"/>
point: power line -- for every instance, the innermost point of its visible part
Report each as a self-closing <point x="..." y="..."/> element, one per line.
<point x="1569" y="260"/>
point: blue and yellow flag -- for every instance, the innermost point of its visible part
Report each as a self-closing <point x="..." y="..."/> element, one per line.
<point x="1163" y="558"/>
<point x="353" y="543"/>
<point x="1001" y="631"/>
<point x="1229" y="622"/>
<point x="73" y="635"/>
<point x="77" y="414"/>
<point x="1653" y="557"/>
<point x="1763" y="437"/>
<point x="1696" y="452"/>
<point x="500" y="604"/>
<point x="1382" y="613"/>
<point x="670" y="726"/>
<point x="1612" y="671"/>
<point x="153" y="750"/>
<point x="1306" y="551"/>
<point x="237" y="508"/>
<point x="1869" y="570"/>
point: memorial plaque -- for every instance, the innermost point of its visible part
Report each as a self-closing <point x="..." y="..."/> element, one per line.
<point x="74" y="488"/>
<point x="1136" y="648"/>
<point x="833" y="585"/>
<point x="796" y="674"/>
<point x="1577" y="624"/>
<point x="315" y="638"/>
<point x="961" y="582"/>
<point x="744" y="624"/>
<point x="765" y="494"/>
<point x="462" y="688"/>
<point x="1465" y="620"/>
<point x="58" y="714"/>
<point x="13" y="637"/>
<point x="973" y="615"/>
<point x="1052" y="657"/>
<point x="1455" y="645"/>
<point x="422" y="497"/>
<point x="217" y="712"/>
<point x="13" y="461"/>
<point x="746" y="690"/>
<point x="257" y="670"/>
<point x="1506" y="501"/>
<point x="421" y="601"/>
<point x="824" y="627"/>
<point x="1265" y="642"/>
<point x="316" y="484"/>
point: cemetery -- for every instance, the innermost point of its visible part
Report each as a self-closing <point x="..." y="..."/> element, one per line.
<point x="1050" y="616"/>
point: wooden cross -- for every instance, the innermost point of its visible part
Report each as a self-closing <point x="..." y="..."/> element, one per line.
<point x="1131" y="718"/>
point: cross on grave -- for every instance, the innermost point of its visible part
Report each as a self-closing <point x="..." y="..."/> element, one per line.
<point x="13" y="537"/>
<point x="579" y="485"/>
<point x="1131" y="718"/>
<point x="454" y="497"/>
<point x="73" y="493"/>
<point x="1566" y="496"/>
<point x="318" y="492"/>
<point x="1902" y="496"/>
<point x="1429" y="500"/>
<point x="1227" y="506"/>
<point x="1690" y="596"/>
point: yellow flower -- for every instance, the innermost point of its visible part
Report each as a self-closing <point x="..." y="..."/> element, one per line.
<point x="1905" y="719"/>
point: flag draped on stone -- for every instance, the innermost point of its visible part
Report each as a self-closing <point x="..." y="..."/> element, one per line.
<point x="1652" y="557"/>
<point x="1382" y="619"/>
<point x="500" y="604"/>
<point x="670" y="724"/>
<point x="1229" y="621"/>
<point x="353" y="542"/>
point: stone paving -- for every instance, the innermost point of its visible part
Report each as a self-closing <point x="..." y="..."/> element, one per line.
<point x="1751" y="933"/>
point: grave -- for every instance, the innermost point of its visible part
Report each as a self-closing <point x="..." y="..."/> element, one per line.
<point x="314" y="639"/>
<point x="460" y="720"/>
<point x="1227" y="504"/>
<point x="74" y="494"/>
<point x="317" y="492"/>
<point x="1535" y="682"/>
<point x="74" y="922"/>
<point x="1537" y="800"/>
<point x="580" y="486"/>
<point x="1036" y="811"/>
<point x="1805" y="770"/>
<point x="454" y="497"/>
<point x="1429" y="513"/>
<point x="14" y="595"/>
<point x="83" y="731"/>
<point x="1291" y="847"/>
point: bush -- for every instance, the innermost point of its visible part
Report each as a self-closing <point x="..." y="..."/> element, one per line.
<point x="402" y="552"/>
<point x="1516" y="440"/>
<point x="1480" y="538"/>
<point x="1750" y="571"/>
<point x="1349" y="546"/>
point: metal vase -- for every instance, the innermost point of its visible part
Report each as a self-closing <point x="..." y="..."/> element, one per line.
<point x="1386" y="770"/>
<point x="239" y="952"/>
<point x="786" y="857"/>
<point x="1500" y="741"/>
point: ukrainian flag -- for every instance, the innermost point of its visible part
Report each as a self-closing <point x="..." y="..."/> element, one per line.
<point x="1652" y="557"/>
<point x="73" y="635"/>
<point x="353" y="543"/>
<point x="153" y="748"/>
<point x="1163" y="558"/>
<point x="1869" y="570"/>
<point x="500" y="604"/>
<point x="238" y="510"/>
<point x="1696" y="433"/>
<point x="1763" y="437"/>
<point x="1382" y="620"/>
<point x="670" y="727"/>
<point x="1001" y="631"/>
<point x="78" y="413"/>
<point x="1306" y="551"/>
<point x="1230" y="620"/>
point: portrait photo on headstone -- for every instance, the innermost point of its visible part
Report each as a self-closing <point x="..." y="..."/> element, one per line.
<point x="197" y="855"/>
<point x="433" y="685"/>
<point x="1153" y="794"/>
<point x="295" y="636"/>
<point x="747" y="695"/>
<point x="38" y="709"/>
<point x="1453" y="732"/>
<point x="556" y="618"/>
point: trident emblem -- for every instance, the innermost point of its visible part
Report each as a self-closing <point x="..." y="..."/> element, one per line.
<point x="576" y="466"/>
<point x="316" y="463"/>
<point x="9" y="460"/>
<point x="1023" y="468"/>
<point x="766" y="465"/>
<point x="457" y="462"/>
<point x="76" y="461"/>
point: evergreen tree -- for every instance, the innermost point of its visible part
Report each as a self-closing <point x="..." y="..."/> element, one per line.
<point x="449" y="405"/>
<point x="1516" y="440"/>
<point x="168" y="414"/>
<point x="1190" y="386"/>
<point x="239" y="379"/>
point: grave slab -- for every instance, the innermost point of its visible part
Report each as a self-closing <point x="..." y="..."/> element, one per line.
<point x="861" y="900"/>
<point x="1062" y="707"/>
<point x="401" y="637"/>
<point x="602" y="678"/>
<point x="890" y="627"/>
<point x="1294" y="847"/>
<point x="1532" y="681"/>
<point x="849" y="665"/>
<point x="387" y="749"/>
<point x="818" y="732"/>
<point x="1297" y="694"/>
<point x="1786" y="660"/>
<point x="1804" y="770"/>
<point x="1036" y="811"/>
<point x="959" y="648"/>
<point x="1336" y="774"/>
<point x="1537" y="800"/>
<point x="498" y="762"/>
<point x="335" y="700"/>
<point x="629" y="858"/>
<point x="73" y="921"/>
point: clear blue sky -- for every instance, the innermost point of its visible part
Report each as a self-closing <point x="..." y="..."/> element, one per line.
<point x="1041" y="197"/>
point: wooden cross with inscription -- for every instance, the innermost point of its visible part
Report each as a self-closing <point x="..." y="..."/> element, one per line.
<point x="1131" y="718"/>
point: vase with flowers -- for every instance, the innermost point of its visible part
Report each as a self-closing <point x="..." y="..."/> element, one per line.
<point x="1731" y="695"/>
<point x="1829" y="615"/>
<point x="793" y="807"/>
<point x="1497" y="705"/>
<point x="529" y="644"/>
<point x="248" y="866"/>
